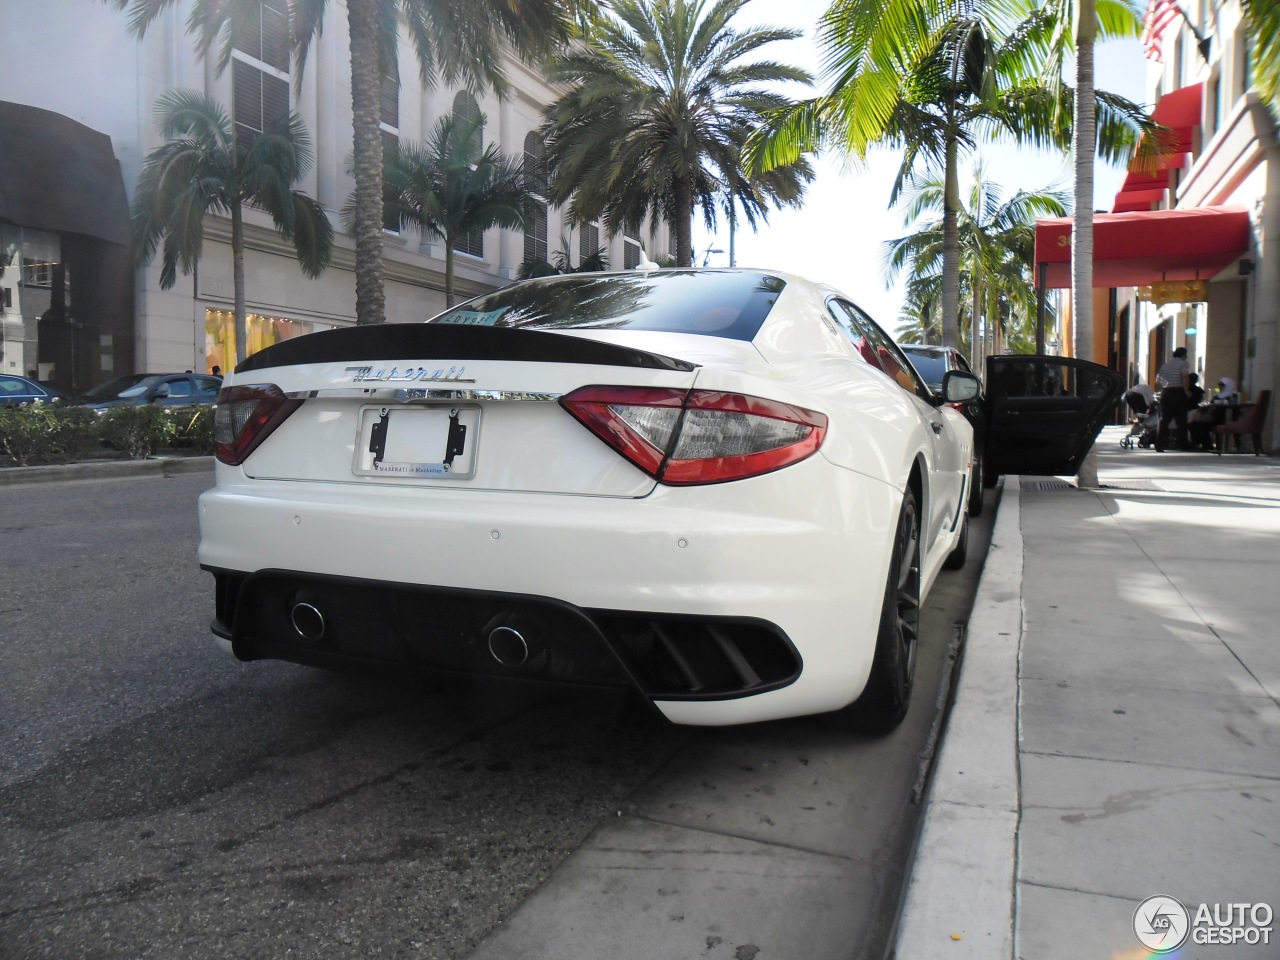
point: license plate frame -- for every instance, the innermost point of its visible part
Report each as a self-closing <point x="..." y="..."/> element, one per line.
<point x="419" y="441"/>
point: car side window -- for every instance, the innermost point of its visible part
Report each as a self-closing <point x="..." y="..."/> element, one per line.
<point x="892" y="360"/>
<point x="177" y="388"/>
<point x="11" y="387"/>
<point x="844" y="318"/>
<point x="208" y="384"/>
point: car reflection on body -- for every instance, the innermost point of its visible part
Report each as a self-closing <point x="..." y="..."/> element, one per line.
<point x="160" y="389"/>
<point x="728" y="489"/>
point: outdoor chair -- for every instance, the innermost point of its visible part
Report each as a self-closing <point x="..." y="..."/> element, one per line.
<point x="1250" y="423"/>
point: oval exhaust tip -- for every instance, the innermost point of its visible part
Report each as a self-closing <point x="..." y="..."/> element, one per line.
<point x="308" y="622"/>
<point x="508" y="646"/>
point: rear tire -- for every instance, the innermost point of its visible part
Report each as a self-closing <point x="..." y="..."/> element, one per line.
<point x="883" y="704"/>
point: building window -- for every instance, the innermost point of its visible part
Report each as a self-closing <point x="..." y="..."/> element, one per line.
<point x="390" y="200"/>
<point x="588" y="241"/>
<point x="37" y="273"/>
<point x="263" y="331"/>
<point x="260" y="71"/>
<point x="390" y="107"/>
<point x="390" y="126"/>
<point x="630" y="249"/>
<point x="465" y="109"/>
<point x="535" y="231"/>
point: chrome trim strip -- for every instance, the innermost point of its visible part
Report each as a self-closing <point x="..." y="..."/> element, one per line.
<point x="417" y="394"/>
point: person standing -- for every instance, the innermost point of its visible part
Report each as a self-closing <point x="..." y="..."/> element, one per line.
<point x="1174" y="380"/>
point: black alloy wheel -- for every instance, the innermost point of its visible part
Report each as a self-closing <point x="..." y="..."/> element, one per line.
<point x="883" y="704"/>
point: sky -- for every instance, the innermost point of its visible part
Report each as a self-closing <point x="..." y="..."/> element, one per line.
<point x="838" y="236"/>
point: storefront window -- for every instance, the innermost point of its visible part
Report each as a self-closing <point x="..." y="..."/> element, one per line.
<point x="34" y="291"/>
<point x="220" y="335"/>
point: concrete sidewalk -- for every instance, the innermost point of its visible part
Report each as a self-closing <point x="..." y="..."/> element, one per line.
<point x="1116" y="730"/>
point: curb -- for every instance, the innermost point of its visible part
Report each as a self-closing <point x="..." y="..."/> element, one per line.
<point x="106" y="470"/>
<point x="960" y="896"/>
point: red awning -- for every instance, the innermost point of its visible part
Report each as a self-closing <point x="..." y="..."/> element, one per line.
<point x="1180" y="112"/>
<point x="1145" y="246"/>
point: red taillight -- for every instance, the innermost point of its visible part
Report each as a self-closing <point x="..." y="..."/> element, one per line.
<point x="683" y="437"/>
<point x="245" y="416"/>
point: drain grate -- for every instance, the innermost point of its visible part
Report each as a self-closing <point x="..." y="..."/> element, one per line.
<point x="1045" y="486"/>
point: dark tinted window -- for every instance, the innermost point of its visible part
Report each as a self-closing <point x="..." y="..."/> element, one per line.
<point x="731" y="305"/>
<point x="931" y="366"/>
<point x="843" y="314"/>
<point x="892" y="360"/>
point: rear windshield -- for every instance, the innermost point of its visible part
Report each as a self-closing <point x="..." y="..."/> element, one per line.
<point x="729" y="304"/>
<point x="930" y="366"/>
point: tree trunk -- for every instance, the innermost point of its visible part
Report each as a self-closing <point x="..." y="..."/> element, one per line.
<point x="1084" y="147"/>
<point x="951" y="249"/>
<point x="684" y="225"/>
<point x="975" y="325"/>
<point x="366" y="83"/>
<point x="237" y="281"/>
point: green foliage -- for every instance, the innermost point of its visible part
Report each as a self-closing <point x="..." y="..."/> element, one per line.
<point x="42" y="433"/>
<point x="450" y="186"/>
<point x="38" y="433"/>
<point x="658" y="103"/>
<point x="195" y="430"/>
<point x="138" y="431"/>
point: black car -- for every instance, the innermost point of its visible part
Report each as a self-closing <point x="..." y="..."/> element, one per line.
<point x="16" y="390"/>
<point x="162" y="389"/>
<point x="932" y="362"/>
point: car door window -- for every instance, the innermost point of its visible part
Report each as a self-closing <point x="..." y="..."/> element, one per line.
<point x="11" y="387"/>
<point x="1044" y="412"/>
<point x="208" y="384"/>
<point x="177" y="388"/>
<point x="892" y="360"/>
<point x="844" y="318"/>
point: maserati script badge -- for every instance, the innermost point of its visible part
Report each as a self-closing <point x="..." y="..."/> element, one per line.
<point x="409" y="375"/>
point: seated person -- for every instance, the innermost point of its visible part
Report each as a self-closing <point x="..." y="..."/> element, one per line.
<point x="1195" y="395"/>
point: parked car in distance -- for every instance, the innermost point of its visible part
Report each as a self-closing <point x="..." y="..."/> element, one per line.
<point x="162" y="389"/>
<point x="16" y="390"/>
<point x="728" y="490"/>
<point x="933" y="363"/>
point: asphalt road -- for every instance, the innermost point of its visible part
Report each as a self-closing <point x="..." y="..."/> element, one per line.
<point x="159" y="799"/>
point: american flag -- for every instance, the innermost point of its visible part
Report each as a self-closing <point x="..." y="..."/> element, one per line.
<point x="1160" y="13"/>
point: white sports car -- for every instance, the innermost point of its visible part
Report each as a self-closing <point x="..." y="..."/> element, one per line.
<point x="728" y="489"/>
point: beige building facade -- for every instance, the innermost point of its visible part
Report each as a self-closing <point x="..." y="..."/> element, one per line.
<point x="1233" y="165"/>
<point x="94" y="74"/>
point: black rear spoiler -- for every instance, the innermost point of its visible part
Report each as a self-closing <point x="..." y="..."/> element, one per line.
<point x="416" y="342"/>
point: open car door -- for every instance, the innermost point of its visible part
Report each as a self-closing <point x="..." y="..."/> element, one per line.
<point x="1043" y="413"/>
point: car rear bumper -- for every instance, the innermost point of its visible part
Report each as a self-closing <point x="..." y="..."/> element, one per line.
<point x="723" y="604"/>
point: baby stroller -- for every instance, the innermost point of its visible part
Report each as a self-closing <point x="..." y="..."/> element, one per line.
<point x="1144" y="421"/>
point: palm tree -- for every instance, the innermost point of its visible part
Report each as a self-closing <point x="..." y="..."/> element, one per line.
<point x="660" y="101"/>
<point x="449" y="187"/>
<point x="995" y="238"/>
<point x="1084" y="17"/>
<point x="932" y="78"/>
<point x="561" y="262"/>
<point x="203" y="168"/>
<point x="1264" y="26"/>
<point x="454" y="42"/>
